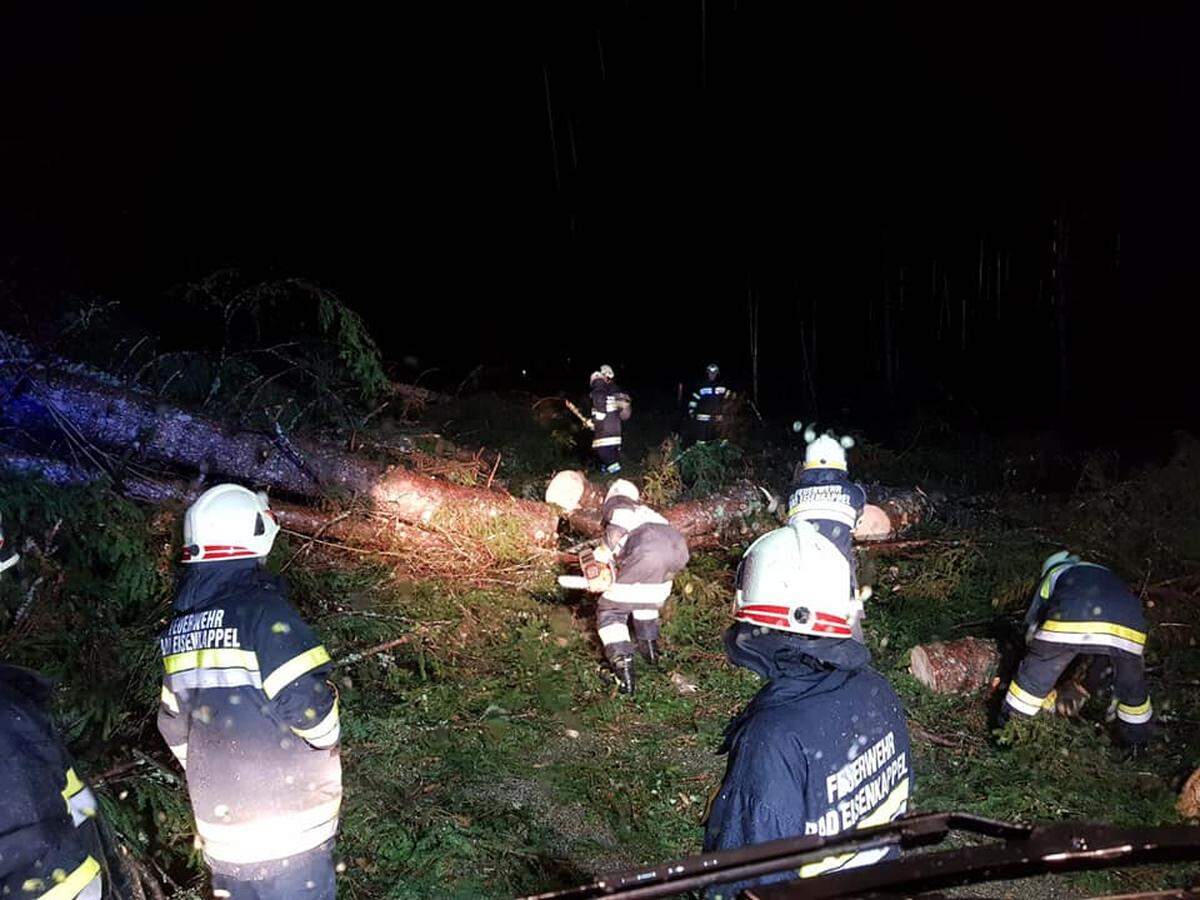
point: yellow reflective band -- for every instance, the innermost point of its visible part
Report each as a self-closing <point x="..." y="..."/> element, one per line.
<point x="894" y="805"/>
<point x="891" y="807"/>
<point x="168" y="700"/>
<point x="825" y="465"/>
<point x="1024" y="696"/>
<point x="1129" y="634"/>
<point x="293" y="669"/>
<point x="211" y="659"/>
<point x="1045" y="591"/>
<point x="69" y="887"/>
<point x="1139" y="710"/>
<point x="74" y="785"/>
<point x="321" y="728"/>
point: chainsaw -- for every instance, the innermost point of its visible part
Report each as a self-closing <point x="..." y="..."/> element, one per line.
<point x="597" y="574"/>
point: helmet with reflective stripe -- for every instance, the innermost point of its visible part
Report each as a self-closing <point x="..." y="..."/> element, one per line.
<point x="825" y="451"/>
<point x="793" y="579"/>
<point x="1057" y="559"/>
<point x="228" y="522"/>
<point x="607" y="372"/>
<point x="622" y="487"/>
<point x="713" y="371"/>
<point x="8" y="556"/>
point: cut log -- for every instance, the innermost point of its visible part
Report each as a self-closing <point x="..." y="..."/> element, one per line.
<point x="892" y="511"/>
<point x="1189" y="798"/>
<point x="738" y="512"/>
<point x="122" y="421"/>
<point x="955" y="667"/>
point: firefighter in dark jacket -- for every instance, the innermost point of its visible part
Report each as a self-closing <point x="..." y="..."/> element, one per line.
<point x="49" y="834"/>
<point x="823" y="747"/>
<point x="247" y="710"/>
<point x="610" y="407"/>
<point x="1082" y="608"/>
<point x="645" y="554"/>
<point x="707" y="406"/>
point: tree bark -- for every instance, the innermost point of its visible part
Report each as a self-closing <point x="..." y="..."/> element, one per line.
<point x="955" y="667"/>
<point x="719" y="518"/>
<point x="740" y="511"/>
<point x="121" y="421"/>
<point x="437" y="553"/>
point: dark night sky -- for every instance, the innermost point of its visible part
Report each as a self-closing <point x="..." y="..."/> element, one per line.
<point x="810" y="156"/>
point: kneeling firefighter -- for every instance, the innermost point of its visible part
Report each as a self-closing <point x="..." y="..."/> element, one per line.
<point x="823" y="748"/>
<point x="1082" y="608"/>
<point x="50" y="842"/>
<point x="247" y="710"/>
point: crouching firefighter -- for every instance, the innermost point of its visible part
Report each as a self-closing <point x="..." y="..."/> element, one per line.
<point x="823" y="747"/>
<point x="610" y="407"/>
<point x="1082" y="608"/>
<point x="50" y="844"/>
<point x="707" y="406"/>
<point x="643" y="555"/>
<point x="247" y="710"/>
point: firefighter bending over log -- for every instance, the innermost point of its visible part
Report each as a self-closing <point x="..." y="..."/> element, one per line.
<point x="1084" y="609"/>
<point x="632" y="570"/>
<point x="247" y="710"/>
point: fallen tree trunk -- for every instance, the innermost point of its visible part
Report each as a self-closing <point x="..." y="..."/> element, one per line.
<point x="126" y="422"/>
<point x="741" y="510"/>
<point x="727" y="515"/>
<point x="955" y="667"/>
<point x="433" y="553"/>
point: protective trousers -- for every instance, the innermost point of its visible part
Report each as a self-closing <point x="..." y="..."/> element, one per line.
<point x="612" y="621"/>
<point x="305" y="876"/>
<point x="1045" y="662"/>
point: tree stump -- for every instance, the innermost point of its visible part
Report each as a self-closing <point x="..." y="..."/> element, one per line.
<point x="955" y="667"/>
<point x="1189" y="798"/>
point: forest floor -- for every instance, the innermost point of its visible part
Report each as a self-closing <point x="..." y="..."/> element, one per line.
<point x="485" y="756"/>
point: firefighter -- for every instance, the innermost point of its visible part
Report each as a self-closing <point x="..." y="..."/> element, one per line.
<point x="49" y="833"/>
<point x="823" y="494"/>
<point x="823" y="747"/>
<point x="707" y="406"/>
<point x="645" y="555"/>
<point x="247" y="710"/>
<point x="610" y="407"/>
<point x="1081" y="608"/>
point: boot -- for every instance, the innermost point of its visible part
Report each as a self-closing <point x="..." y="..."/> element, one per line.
<point x="622" y="668"/>
<point x="649" y="651"/>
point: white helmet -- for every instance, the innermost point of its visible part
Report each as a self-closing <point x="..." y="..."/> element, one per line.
<point x="228" y="522"/>
<point x="623" y="488"/>
<point x="607" y="372"/>
<point x="793" y="579"/>
<point x="1056" y="559"/>
<point x="712" y="371"/>
<point x="8" y="558"/>
<point x="825" y="451"/>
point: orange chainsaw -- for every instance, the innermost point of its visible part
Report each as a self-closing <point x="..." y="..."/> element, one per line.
<point x="598" y="574"/>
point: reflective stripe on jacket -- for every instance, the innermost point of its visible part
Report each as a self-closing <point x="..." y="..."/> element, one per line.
<point x="248" y="712"/>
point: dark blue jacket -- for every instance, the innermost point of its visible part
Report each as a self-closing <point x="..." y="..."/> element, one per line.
<point x="831" y="501"/>
<point x="821" y="749"/>
<point x="1086" y="605"/>
<point x="48" y="836"/>
<point x="247" y="709"/>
